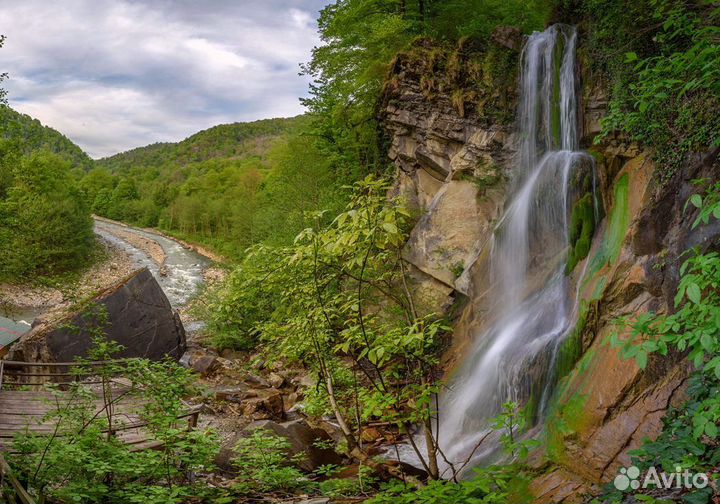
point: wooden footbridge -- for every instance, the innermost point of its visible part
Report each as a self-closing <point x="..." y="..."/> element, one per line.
<point x="27" y="406"/>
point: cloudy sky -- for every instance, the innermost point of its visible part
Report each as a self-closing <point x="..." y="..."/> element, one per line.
<point x="118" y="74"/>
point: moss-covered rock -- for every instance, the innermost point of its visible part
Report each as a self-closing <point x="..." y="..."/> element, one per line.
<point x="582" y="227"/>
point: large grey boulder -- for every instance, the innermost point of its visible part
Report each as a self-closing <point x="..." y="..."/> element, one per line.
<point x="139" y="317"/>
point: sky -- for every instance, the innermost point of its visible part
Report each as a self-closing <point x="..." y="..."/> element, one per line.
<point x="116" y="74"/>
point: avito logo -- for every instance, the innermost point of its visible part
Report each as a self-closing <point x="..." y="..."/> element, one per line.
<point x="629" y="479"/>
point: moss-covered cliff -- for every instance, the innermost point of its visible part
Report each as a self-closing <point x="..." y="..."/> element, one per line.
<point x="452" y="163"/>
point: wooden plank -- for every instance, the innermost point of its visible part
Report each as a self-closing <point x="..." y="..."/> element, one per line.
<point x="24" y="411"/>
<point x="22" y="494"/>
<point x="8" y="422"/>
<point x="15" y="364"/>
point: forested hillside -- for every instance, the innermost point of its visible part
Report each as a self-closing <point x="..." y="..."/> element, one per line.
<point x="33" y="136"/>
<point x="230" y="186"/>
<point x="45" y="225"/>
<point x="239" y="140"/>
<point x="482" y="268"/>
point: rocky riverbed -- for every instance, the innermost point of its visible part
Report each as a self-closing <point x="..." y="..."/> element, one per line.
<point x="179" y="268"/>
<point x="22" y="302"/>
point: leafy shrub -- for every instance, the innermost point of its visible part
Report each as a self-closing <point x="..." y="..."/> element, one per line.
<point x="45" y="226"/>
<point x="666" y="88"/>
<point x="349" y="487"/>
<point x="689" y="436"/>
<point x="488" y="486"/>
<point x="82" y="463"/>
<point x="454" y="19"/>
<point x="263" y="465"/>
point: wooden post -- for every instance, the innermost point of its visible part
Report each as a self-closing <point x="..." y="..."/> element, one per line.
<point x="22" y="494"/>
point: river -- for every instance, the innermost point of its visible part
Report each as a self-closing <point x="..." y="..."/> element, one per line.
<point x="180" y="277"/>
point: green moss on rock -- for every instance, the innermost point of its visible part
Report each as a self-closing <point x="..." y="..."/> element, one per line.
<point x="582" y="227"/>
<point x="618" y="223"/>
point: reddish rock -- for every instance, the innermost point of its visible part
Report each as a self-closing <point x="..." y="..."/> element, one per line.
<point x="561" y="487"/>
<point x="233" y="394"/>
<point x="205" y="365"/>
<point x="255" y="380"/>
<point x="292" y="400"/>
<point x="370" y="434"/>
<point x="267" y="405"/>
<point x="276" y="380"/>
<point x="607" y="406"/>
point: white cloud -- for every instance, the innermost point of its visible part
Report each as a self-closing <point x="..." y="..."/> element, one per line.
<point x="117" y="74"/>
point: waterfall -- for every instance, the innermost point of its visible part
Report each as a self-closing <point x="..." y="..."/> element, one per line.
<point x="531" y="302"/>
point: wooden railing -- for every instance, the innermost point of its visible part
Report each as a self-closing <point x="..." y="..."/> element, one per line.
<point x="6" y="474"/>
<point x="16" y="377"/>
<point x="19" y="373"/>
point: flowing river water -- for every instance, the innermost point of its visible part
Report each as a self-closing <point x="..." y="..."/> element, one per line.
<point x="182" y="272"/>
<point x="180" y="276"/>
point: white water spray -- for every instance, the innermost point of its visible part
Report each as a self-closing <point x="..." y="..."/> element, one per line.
<point x="532" y="305"/>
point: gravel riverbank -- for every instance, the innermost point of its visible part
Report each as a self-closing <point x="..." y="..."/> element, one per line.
<point x="114" y="266"/>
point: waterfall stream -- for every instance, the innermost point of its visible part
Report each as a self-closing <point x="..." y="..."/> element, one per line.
<point x="531" y="299"/>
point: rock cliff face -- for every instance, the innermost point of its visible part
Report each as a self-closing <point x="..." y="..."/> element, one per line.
<point x="606" y="406"/>
<point x="135" y="313"/>
<point x="453" y="168"/>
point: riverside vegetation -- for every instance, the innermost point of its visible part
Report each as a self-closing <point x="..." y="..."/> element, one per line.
<point x="318" y="276"/>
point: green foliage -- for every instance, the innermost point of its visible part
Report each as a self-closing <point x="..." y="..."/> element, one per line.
<point x="45" y="226"/>
<point x="3" y="76"/>
<point x="479" y="78"/>
<point x="229" y="187"/>
<point x="689" y="435"/>
<point x="511" y="422"/>
<point x="219" y="142"/>
<point x="235" y="186"/>
<point x="455" y="19"/>
<point x="316" y="302"/>
<point x="666" y="86"/>
<point x="31" y="137"/>
<point x="709" y="205"/>
<point x="489" y="485"/>
<point x="263" y="465"/>
<point x="361" y="39"/>
<point x="693" y="327"/>
<point x="82" y="462"/>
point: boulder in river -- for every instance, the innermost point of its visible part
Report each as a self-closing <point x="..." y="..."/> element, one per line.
<point x="138" y="316"/>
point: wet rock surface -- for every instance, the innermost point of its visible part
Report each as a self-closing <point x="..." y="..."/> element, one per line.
<point x="452" y="168"/>
<point x="139" y="317"/>
<point x="615" y="414"/>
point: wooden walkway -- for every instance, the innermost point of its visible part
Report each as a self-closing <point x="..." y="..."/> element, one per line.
<point x="27" y="407"/>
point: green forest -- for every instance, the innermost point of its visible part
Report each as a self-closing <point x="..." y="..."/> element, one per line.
<point x="45" y="224"/>
<point x="229" y="187"/>
<point x="308" y="214"/>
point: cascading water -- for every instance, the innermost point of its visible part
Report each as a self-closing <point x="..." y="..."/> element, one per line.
<point x="532" y="302"/>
